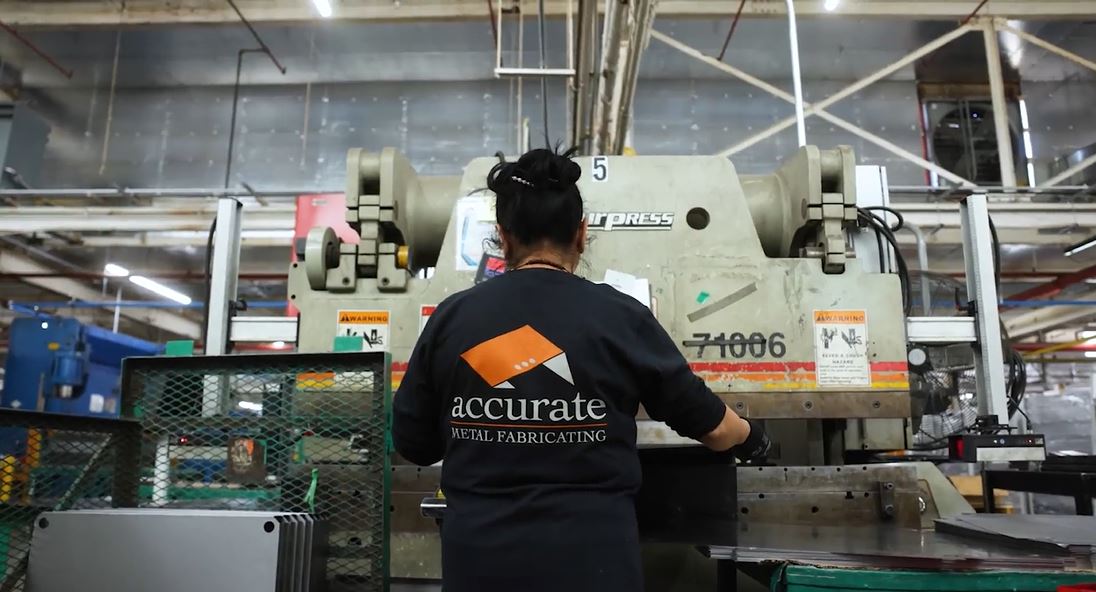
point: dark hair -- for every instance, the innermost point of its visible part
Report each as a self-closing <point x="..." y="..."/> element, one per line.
<point x="537" y="199"/>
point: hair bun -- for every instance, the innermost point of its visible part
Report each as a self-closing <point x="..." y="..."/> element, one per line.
<point x="547" y="169"/>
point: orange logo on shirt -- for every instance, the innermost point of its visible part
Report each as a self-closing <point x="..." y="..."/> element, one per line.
<point x="501" y="358"/>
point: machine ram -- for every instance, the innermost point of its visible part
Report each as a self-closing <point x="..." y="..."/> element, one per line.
<point x="755" y="278"/>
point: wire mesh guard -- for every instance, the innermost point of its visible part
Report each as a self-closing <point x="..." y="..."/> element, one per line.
<point x="56" y="462"/>
<point x="293" y="433"/>
<point x="948" y="405"/>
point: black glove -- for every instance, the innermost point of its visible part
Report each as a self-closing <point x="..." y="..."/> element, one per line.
<point x="757" y="446"/>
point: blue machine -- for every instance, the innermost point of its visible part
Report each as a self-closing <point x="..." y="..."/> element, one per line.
<point x="63" y="366"/>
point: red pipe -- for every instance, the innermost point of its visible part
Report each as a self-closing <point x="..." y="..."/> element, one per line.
<point x="1051" y="288"/>
<point x="64" y="71"/>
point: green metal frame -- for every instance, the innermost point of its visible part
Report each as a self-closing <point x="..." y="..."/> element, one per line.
<point x="801" y="578"/>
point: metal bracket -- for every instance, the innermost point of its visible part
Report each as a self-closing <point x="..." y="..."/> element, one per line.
<point x="887" y="509"/>
<point x="940" y="330"/>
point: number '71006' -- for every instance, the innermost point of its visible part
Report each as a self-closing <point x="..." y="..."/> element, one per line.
<point x="738" y="345"/>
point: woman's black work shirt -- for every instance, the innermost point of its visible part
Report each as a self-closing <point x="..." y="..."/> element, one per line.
<point x="528" y="386"/>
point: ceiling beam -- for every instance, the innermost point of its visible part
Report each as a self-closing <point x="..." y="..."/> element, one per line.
<point x="12" y="263"/>
<point x="67" y="13"/>
<point x="23" y="220"/>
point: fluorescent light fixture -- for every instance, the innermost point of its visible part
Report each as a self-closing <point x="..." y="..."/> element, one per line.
<point x="249" y="406"/>
<point x="831" y="5"/>
<point x="1028" y="152"/>
<point x="324" y="7"/>
<point x="1031" y="173"/>
<point x="278" y="344"/>
<point x="1024" y="115"/>
<point x="158" y="288"/>
<point x="1088" y="354"/>
<point x="1084" y="245"/>
<point x="113" y="270"/>
<point x="1087" y="334"/>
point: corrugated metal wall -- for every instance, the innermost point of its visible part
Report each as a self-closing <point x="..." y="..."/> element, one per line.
<point x="427" y="89"/>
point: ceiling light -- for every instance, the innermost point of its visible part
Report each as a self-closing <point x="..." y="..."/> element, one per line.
<point x="324" y="7"/>
<point x="250" y="406"/>
<point x="1084" y="245"/>
<point x="278" y="344"/>
<point x="113" y="270"/>
<point x="162" y="290"/>
<point x="1090" y="354"/>
<point x="45" y="325"/>
<point x="831" y="5"/>
<point x="1087" y="334"/>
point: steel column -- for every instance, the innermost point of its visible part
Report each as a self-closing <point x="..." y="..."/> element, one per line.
<point x="989" y="359"/>
<point x="1000" y="105"/>
<point x="224" y="276"/>
<point x="1092" y="395"/>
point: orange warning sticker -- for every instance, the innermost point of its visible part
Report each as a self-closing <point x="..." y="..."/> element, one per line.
<point x="363" y="317"/>
<point x="371" y="325"/>
<point x="841" y="317"/>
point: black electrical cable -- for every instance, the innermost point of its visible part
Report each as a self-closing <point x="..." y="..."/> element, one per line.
<point x="882" y="228"/>
<point x="901" y="219"/>
<point x="884" y="264"/>
<point x="996" y="255"/>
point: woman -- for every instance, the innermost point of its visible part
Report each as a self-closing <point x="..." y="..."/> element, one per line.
<point x="528" y="386"/>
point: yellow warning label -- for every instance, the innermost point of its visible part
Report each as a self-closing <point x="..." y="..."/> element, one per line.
<point x="363" y="317"/>
<point x="843" y="317"/>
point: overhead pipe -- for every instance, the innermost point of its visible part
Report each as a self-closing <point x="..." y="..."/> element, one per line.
<point x="176" y="276"/>
<point x="55" y="304"/>
<point x="989" y="189"/>
<point x="183" y="192"/>
<point x="923" y="262"/>
<point x="1056" y="286"/>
